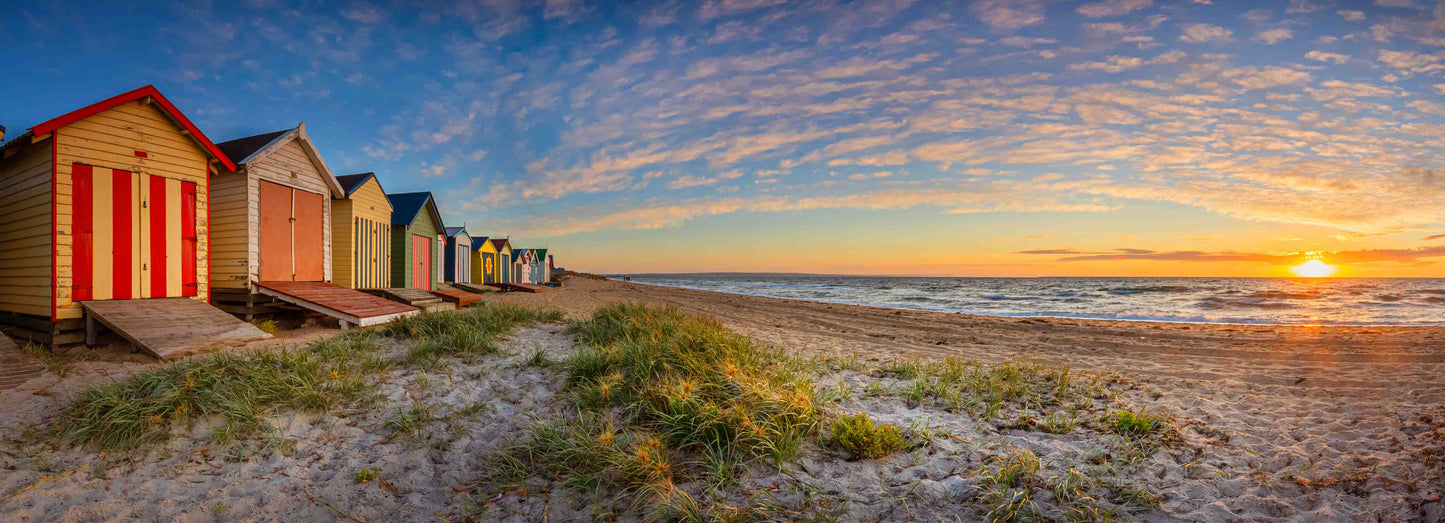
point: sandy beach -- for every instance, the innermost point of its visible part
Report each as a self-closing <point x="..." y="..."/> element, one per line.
<point x="1279" y="423"/>
<point x="1361" y="409"/>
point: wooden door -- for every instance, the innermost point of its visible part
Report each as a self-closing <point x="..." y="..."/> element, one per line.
<point x="275" y="239"/>
<point x="292" y="228"/>
<point x="309" y="247"/>
<point x="464" y="263"/>
<point x="134" y="235"/>
<point x="421" y="255"/>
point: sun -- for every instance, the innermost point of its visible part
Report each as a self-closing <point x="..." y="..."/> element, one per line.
<point x="1314" y="268"/>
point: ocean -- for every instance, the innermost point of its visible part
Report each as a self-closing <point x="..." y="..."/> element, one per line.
<point x="1288" y="301"/>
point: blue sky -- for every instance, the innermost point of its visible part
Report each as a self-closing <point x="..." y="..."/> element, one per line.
<point x="972" y="138"/>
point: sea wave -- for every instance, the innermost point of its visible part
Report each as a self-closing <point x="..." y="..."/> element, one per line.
<point x="1150" y="288"/>
<point x="1282" y="295"/>
<point x="1216" y="303"/>
<point x="1207" y="300"/>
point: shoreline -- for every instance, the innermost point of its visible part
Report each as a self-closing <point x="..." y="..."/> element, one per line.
<point x="1055" y="316"/>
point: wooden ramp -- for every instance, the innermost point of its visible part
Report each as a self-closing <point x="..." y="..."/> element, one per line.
<point x="457" y="297"/>
<point x="15" y="366"/>
<point x="518" y="287"/>
<point x="347" y="305"/>
<point x="415" y="297"/>
<point x="169" y="328"/>
<point x="474" y="288"/>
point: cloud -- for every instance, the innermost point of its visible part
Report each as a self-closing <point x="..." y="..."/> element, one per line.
<point x="1351" y="15"/>
<point x="1347" y="257"/>
<point x="1413" y="61"/>
<point x="1274" y="36"/>
<point x="1008" y="14"/>
<point x="1019" y="41"/>
<point x="994" y="196"/>
<point x="716" y="8"/>
<point x="1113" y="7"/>
<point x="1205" y="33"/>
<point x="363" y="13"/>
<point x="1322" y="56"/>
<point x="691" y="181"/>
<point x="1112" y="64"/>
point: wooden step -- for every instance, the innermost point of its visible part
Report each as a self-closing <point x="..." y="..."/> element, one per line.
<point x="346" y="305"/>
<point x="169" y="328"/>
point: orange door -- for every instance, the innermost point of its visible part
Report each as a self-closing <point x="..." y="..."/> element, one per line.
<point x="275" y="232"/>
<point x="308" y="238"/>
<point x="421" y="262"/>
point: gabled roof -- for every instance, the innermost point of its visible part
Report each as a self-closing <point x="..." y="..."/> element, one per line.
<point x="251" y="149"/>
<point x="149" y="91"/>
<point x="541" y="255"/>
<point x="453" y="231"/>
<point x="406" y="206"/>
<point x="498" y="243"/>
<point x="240" y="149"/>
<point x="479" y="241"/>
<point x="351" y="182"/>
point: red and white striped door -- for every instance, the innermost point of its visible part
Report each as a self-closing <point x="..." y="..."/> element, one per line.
<point x="135" y="235"/>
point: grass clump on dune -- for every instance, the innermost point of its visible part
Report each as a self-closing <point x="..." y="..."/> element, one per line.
<point x="859" y="437"/>
<point x="1016" y="395"/>
<point x="662" y="394"/>
<point x="467" y="332"/>
<point x="242" y="389"/>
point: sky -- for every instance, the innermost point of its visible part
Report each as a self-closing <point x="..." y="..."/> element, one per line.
<point x="971" y="138"/>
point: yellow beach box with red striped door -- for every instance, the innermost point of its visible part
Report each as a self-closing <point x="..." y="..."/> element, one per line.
<point x="107" y="202"/>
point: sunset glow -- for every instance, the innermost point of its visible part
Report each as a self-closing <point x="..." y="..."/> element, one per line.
<point x="974" y="138"/>
<point x="1314" y="268"/>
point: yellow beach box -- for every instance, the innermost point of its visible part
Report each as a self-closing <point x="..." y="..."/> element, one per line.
<point x="107" y="202"/>
<point x="361" y="233"/>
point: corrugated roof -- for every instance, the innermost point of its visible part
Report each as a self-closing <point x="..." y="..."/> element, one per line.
<point x="240" y="149"/>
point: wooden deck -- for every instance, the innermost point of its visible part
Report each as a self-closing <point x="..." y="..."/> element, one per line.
<point x="15" y="366"/>
<point x="518" y="287"/>
<point x="415" y="297"/>
<point x="347" y="305"/>
<point x="456" y="297"/>
<point x="474" y="288"/>
<point x="169" y="328"/>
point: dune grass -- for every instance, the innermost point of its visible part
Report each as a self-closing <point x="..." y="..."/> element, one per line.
<point x="469" y="332"/>
<point x="859" y="437"/>
<point x="59" y="364"/>
<point x="242" y="390"/>
<point x="659" y="395"/>
<point x="1015" y="395"/>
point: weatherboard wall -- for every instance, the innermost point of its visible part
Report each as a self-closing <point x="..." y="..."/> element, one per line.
<point x="139" y="138"/>
<point x="25" y="240"/>
<point x="361" y="233"/>
<point x="401" y="247"/>
<point x="238" y="256"/>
